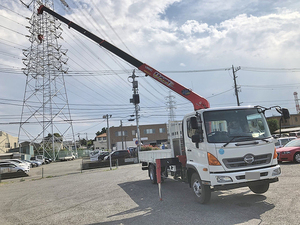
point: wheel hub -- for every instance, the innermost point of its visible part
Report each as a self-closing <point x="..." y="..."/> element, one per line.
<point x="297" y="158"/>
<point x="197" y="188"/>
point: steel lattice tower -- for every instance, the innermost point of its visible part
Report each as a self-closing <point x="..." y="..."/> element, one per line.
<point x="171" y="106"/>
<point x="46" y="119"/>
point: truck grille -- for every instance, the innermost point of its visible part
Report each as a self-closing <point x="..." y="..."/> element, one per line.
<point x="233" y="163"/>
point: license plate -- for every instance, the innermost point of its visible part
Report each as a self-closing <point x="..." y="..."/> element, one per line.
<point x="252" y="175"/>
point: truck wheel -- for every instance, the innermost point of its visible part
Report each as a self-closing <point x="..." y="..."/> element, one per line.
<point x="202" y="191"/>
<point x="259" y="189"/>
<point x="297" y="157"/>
<point x="152" y="174"/>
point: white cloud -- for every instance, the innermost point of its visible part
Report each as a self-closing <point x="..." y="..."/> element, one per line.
<point x="198" y="35"/>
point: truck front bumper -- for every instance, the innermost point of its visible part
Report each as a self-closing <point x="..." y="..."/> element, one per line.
<point x="230" y="180"/>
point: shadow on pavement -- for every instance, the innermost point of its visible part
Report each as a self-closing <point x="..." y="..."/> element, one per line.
<point x="5" y="176"/>
<point x="180" y="207"/>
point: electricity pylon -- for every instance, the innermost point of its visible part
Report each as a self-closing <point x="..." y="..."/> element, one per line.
<point x="46" y="119"/>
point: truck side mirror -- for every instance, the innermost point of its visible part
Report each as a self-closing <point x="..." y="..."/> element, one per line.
<point x="285" y="113"/>
<point x="197" y="138"/>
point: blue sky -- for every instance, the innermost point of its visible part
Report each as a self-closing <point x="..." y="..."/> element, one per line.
<point x="262" y="37"/>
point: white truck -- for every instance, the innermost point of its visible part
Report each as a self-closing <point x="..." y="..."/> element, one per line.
<point x="224" y="148"/>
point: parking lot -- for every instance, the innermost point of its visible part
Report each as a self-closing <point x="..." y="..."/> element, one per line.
<point x="124" y="195"/>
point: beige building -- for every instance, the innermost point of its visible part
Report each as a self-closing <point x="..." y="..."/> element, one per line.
<point x="7" y="142"/>
<point x="100" y="142"/>
<point x="290" y="125"/>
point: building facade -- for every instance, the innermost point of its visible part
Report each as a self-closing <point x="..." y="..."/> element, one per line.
<point x="290" y="125"/>
<point x="7" y="142"/>
<point x="155" y="135"/>
<point x="100" y="142"/>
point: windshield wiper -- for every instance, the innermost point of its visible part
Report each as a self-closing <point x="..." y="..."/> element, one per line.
<point x="234" y="137"/>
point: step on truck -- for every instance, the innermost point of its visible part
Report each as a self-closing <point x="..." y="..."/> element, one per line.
<point x="224" y="148"/>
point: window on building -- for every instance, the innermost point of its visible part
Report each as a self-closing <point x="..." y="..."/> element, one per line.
<point x="162" y="130"/>
<point x="149" y="131"/>
<point x="296" y="119"/>
<point x="15" y="145"/>
<point x="119" y="133"/>
<point x="133" y="132"/>
<point x="104" y="138"/>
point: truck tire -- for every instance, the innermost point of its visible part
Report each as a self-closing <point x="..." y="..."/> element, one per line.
<point x="152" y="174"/>
<point x="297" y="157"/>
<point x="259" y="189"/>
<point x="202" y="191"/>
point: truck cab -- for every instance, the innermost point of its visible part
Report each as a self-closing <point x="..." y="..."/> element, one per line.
<point x="228" y="148"/>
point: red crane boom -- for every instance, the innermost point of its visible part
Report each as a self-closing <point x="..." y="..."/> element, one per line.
<point x="198" y="101"/>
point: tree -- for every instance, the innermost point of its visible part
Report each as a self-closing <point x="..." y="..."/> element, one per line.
<point x="103" y="131"/>
<point x="273" y="125"/>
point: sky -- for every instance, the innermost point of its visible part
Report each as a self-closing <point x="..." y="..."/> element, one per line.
<point x="195" y="43"/>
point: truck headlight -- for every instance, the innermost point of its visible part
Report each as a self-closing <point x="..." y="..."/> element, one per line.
<point x="223" y="179"/>
<point x="276" y="172"/>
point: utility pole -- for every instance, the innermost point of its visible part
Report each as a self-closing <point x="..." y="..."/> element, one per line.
<point x="234" y="70"/>
<point x="122" y="134"/>
<point x="108" y="137"/>
<point x="136" y="100"/>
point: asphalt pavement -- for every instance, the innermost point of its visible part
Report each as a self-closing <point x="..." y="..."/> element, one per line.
<point x="125" y="195"/>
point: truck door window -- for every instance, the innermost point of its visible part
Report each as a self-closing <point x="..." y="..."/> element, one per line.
<point x="190" y="130"/>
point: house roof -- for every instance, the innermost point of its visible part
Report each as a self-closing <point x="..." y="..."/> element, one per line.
<point x="102" y="135"/>
<point x="283" y="130"/>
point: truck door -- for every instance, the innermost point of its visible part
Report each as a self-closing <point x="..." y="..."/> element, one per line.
<point x="196" y="155"/>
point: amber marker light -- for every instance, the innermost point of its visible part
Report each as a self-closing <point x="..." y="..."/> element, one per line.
<point x="212" y="160"/>
<point x="275" y="154"/>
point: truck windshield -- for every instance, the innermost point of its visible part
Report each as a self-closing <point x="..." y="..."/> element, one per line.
<point x="236" y="124"/>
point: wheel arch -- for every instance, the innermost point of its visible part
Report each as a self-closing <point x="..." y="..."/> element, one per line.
<point x="190" y="170"/>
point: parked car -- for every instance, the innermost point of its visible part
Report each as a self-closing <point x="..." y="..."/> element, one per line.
<point x="48" y="160"/>
<point x="118" y="154"/>
<point x="19" y="163"/>
<point x="290" y="152"/>
<point x="32" y="163"/>
<point x="10" y="167"/>
<point x="102" y="155"/>
<point x="39" y="158"/>
<point x="38" y="163"/>
<point x="283" y="141"/>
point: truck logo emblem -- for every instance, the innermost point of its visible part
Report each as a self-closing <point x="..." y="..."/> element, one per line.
<point x="249" y="158"/>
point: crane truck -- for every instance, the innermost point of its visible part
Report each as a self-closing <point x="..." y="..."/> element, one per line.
<point x="223" y="148"/>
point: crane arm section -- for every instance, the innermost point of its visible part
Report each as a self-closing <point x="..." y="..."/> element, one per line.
<point x="197" y="101"/>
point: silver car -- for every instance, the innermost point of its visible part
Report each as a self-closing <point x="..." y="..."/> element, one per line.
<point x="10" y="167"/>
